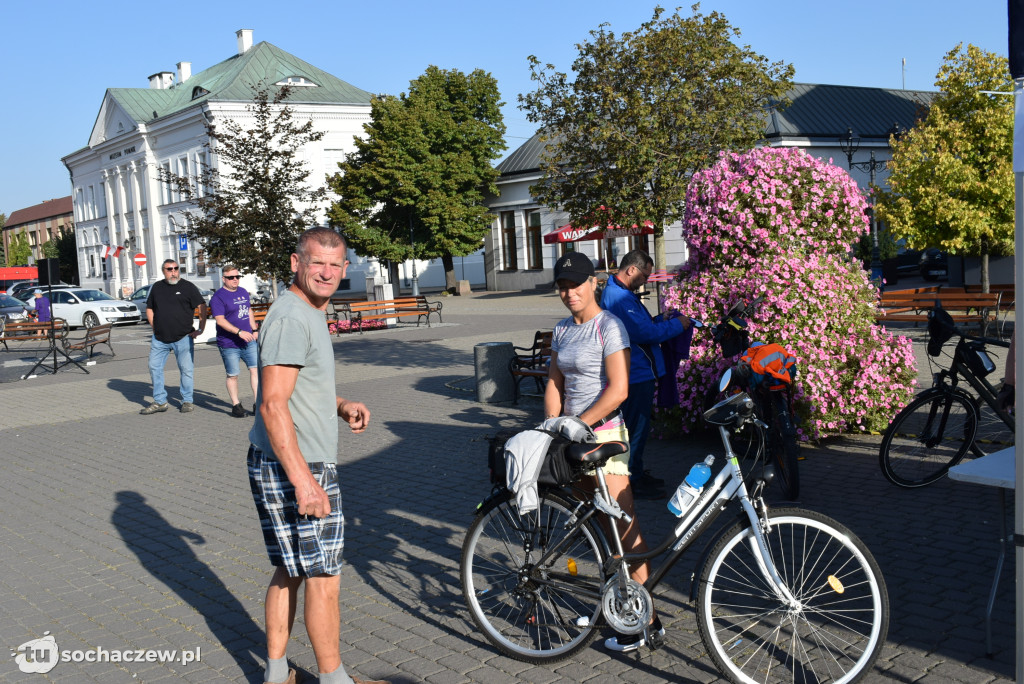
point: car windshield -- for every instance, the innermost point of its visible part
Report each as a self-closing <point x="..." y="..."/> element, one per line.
<point x="7" y="300"/>
<point x="92" y="295"/>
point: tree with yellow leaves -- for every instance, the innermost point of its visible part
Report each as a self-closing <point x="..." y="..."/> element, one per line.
<point x="951" y="175"/>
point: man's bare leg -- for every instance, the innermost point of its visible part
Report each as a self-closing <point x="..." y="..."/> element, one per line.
<point x="323" y="620"/>
<point x="282" y="595"/>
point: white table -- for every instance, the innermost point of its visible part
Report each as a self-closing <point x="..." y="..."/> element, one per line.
<point x="994" y="470"/>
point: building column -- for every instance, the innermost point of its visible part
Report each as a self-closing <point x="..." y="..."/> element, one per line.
<point x="154" y="247"/>
<point x="135" y="183"/>
<point x="108" y="198"/>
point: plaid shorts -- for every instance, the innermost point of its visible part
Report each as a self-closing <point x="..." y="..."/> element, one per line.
<point x="304" y="546"/>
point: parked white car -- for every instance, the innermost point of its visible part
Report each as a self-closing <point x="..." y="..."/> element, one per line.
<point x="79" y="306"/>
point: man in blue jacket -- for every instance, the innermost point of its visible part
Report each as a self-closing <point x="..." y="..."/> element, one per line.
<point x="646" y="361"/>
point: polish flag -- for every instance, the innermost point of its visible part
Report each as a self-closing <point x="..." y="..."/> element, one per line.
<point x="117" y="251"/>
<point x="106" y="251"/>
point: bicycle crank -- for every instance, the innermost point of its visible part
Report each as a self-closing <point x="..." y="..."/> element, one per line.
<point x="627" y="607"/>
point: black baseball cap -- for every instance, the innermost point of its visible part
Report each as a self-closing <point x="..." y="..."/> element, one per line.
<point x="575" y="267"/>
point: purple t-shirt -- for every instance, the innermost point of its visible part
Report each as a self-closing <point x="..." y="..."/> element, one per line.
<point x="234" y="307"/>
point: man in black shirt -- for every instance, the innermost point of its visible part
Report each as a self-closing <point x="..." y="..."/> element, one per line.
<point x="169" y="308"/>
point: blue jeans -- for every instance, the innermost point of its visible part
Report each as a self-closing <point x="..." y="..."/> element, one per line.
<point x="231" y="355"/>
<point x="184" y="350"/>
<point x="636" y="411"/>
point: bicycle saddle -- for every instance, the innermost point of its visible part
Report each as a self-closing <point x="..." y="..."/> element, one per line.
<point x="592" y="454"/>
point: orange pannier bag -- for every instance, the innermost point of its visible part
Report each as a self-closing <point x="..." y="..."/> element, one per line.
<point x="771" y="363"/>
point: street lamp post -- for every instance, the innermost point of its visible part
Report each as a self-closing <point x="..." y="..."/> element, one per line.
<point x="849" y="146"/>
<point x="415" y="280"/>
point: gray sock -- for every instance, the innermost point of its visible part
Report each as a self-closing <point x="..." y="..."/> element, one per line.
<point x="277" y="670"/>
<point x="339" y="676"/>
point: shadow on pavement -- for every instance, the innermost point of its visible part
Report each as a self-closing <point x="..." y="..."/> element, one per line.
<point x="166" y="553"/>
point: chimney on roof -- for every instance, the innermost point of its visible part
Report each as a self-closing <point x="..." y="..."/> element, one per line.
<point x="184" y="71"/>
<point x="161" y="80"/>
<point x="244" y="40"/>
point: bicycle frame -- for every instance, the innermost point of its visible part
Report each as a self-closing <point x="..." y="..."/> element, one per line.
<point x="959" y="369"/>
<point x="728" y="485"/>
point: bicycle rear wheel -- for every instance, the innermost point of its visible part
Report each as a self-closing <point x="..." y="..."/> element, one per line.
<point x="530" y="612"/>
<point x="835" y="630"/>
<point x="928" y="437"/>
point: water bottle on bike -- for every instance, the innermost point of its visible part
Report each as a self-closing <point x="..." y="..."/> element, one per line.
<point x="691" y="487"/>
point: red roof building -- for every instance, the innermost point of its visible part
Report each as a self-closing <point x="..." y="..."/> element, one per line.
<point x="40" y="223"/>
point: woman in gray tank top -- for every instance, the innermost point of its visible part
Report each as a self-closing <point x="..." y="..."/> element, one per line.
<point x="589" y="378"/>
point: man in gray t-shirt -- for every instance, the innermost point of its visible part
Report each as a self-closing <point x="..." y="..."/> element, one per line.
<point x="293" y="458"/>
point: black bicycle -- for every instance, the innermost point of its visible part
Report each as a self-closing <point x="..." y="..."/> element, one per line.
<point x="782" y="595"/>
<point x="935" y="431"/>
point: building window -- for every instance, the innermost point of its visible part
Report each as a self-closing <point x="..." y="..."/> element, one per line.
<point x="569" y="247"/>
<point x="509" y="260"/>
<point x="165" y="186"/>
<point x="296" y="81"/>
<point x="534" y="241"/>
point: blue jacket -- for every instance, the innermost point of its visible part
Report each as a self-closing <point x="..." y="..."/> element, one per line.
<point x="645" y="334"/>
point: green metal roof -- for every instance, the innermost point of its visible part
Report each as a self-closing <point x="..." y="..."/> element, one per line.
<point x="232" y="81"/>
<point x="819" y="112"/>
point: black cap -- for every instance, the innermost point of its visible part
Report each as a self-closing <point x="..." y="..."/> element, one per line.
<point x="575" y="267"/>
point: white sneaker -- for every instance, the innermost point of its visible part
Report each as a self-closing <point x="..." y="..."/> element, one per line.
<point x="624" y="643"/>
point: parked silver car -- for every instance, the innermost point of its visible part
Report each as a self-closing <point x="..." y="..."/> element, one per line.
<point x="12" y="309"/>
<point x="80" y="306"/>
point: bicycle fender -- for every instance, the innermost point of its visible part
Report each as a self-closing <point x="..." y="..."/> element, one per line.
<point x="497" y="492"/>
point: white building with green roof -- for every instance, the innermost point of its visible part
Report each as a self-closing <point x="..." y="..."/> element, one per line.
<point x="118" y="198"/>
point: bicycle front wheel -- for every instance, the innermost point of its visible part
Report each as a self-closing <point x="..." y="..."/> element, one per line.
<point x="834" y="630"/>
<point x="530" y="611"/>
<point x="928" y="437"/>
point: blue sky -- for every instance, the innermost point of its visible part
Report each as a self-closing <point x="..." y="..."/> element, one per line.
<point x="57" y="58"/>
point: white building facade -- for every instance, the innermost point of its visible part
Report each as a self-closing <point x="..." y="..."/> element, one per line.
<point x="118" y="199"/>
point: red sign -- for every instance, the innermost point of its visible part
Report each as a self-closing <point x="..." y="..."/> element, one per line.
<point x="139" y="259"/>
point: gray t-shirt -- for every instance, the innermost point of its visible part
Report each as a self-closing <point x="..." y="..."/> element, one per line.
<point x="295" y="334"/>
<point x="581" y="350"/>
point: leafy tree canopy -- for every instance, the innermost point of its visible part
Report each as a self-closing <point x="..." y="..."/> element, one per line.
<point x="67" y="254"/>
<point x="423" y="168"/>
<point x="253" y="205"/>
<point x="18" y="251"/>
<point x="646" y="110"/>
<point x="951" y="176"/>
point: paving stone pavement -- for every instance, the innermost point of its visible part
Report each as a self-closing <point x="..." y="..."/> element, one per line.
<point x="122" y="531"/>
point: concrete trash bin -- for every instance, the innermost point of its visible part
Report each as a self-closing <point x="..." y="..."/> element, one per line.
<point x="494" y="383"/>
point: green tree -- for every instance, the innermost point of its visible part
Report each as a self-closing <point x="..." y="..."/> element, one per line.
<point x="423" y="168"/>
<point x="50" y="250"/>
<point x="67" y="254"/>
<point x="644" y="112"/>
<point x="951" y="176"/>
<point x="252" y="207"/>
<point x="19" y="250"/>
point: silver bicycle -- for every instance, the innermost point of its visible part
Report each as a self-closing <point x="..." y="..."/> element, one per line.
<point x="784" y="595"/>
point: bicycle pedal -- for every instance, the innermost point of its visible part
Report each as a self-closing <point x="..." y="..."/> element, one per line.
<point x="655" y="640"/>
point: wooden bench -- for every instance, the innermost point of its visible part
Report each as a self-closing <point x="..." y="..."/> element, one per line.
<point x="31" y="331"/>
<point x="532" y="363"/>
<point x="259" y="312"/>
<point x="905" y="306"/>
<point x="358" y="311"/>
<point x="1007" y="300"/>
<point x="97" y="334"/>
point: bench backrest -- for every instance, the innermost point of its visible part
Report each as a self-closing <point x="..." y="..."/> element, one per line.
<point x="949" y="301"/>
<point x="405" y="302"/>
